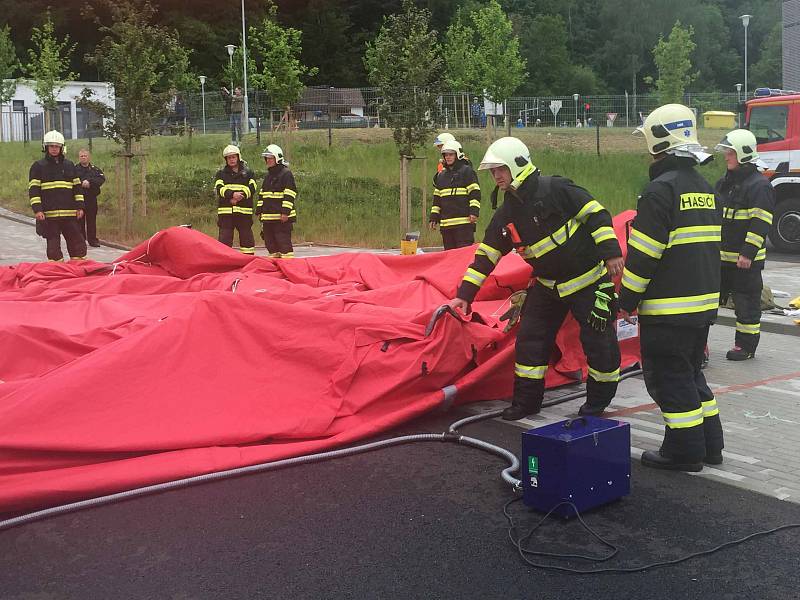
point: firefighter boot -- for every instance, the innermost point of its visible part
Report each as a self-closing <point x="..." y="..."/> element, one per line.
<point x="656" y="460"/>
<point x="738" y="353"/>
<point x="713" y="459"/>
<point x="589" y="410"/>
<point x="516" y="412"/>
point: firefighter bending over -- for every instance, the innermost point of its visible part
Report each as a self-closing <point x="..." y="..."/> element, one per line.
<point x="672" y="274"/>
<point x="747" y="201"/>
<point x="56" y="199"/>
<point x="567" y="236"/>
<point x="235" y="188"/>
<point x="276" y="203"/>
<point x="456" y="198"/>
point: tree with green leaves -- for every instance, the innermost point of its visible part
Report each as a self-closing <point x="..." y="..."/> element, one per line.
<point x="277" y="50"/>
<point x="8" y="64"/>
<point x="404" y="62"/>
<point x="768" y="71"/>
<point x="673" y="60"/>
<point x="48" y="65"/>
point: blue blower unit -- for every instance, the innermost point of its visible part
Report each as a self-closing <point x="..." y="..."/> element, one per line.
<point x="586" y="461"/>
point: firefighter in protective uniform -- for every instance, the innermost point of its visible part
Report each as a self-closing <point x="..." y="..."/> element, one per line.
<point x="439" y="142"/>
<point x="747" y="200"/>
<point x="276" y="203"/>
<point x="456" y="198"/>
<point x="235" y="189"/>
<point x="57" y="199"/>
<point x="672" y="275"/>
<point x="567" y="237"/>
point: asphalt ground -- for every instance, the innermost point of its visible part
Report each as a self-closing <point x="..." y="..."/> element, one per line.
<point x="421" y="520"/>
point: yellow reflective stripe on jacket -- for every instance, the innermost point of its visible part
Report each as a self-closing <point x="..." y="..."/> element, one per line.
<point x="76" y="181"/>
<point x="633" y="282"/>
<point x="679" y="305"/>
<point x="219" y="182"/>
<point x="741" y="214"/>
<point x="760" y="213"/>
<point x="36" y="200"/>
<point x="748" y="328"/>
<point x="287" y="204"/>
<point x="474" y="277"/>
<point x="644" y="243"/>
<point x="242" y="210"/>
<point x="435" y="210"/>
<point x="457" y="191"/>
<point x="78" y="197"/>
<point x="475" y="203"/>
<point x="34" y="182"/>
<point x="454" y="221"/>
<point x="755" y="239"/>
<point x="575" y="284"/>
<point x="604" y="377"/>
<point x="601" y="234"/>
<point x="761" y="254"/>
<point x="709" y="408"/>
<point x="489" y="252"/>
<point x="57" y="185"/>
<point x="61" y="213"/>
<point x="555" y="240"/>
<point x="274" y="195"/>
<point x="695" y="235"/>
<point x="591" y="207"/>
<point x="530" y="371"/>
<point x="726" y="256"/>
<point x="225" y="210"/>
<point x="270" y="216"/>
<point x="683" y="420"/>
<point x="473" y="187"/>
<point x="290" y="192"/>
<point x="236" y="187"/>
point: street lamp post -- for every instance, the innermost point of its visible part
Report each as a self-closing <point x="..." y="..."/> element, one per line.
<point x="203" y="96"/>
<point x="575" y="97"/>
<point x="738" y="104"/>
<point x="745" y="21"/>
<point x="244" y="75"/>
<point x="231" y="48"/>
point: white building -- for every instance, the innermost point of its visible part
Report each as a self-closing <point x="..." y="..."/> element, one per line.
<point x="23" y="117"/>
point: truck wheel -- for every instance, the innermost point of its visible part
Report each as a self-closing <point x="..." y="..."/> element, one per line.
<point x="785" y="232"/>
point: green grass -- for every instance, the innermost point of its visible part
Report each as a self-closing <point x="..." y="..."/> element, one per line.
<point x="348" y="193"/>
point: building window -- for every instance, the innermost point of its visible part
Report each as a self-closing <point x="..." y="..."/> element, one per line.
<point x="18" y="105"/>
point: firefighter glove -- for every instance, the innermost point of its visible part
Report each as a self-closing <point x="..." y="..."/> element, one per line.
<point x="604" y="296"/>
<point x="517" y="300"/>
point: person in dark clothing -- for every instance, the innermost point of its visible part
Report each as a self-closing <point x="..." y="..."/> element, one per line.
<point x="57" y="199"/>
<point x="235" y="188"/>
<point x="568" y="239"/>
<point x="92" y="178"/>
<point x="276" y="204"/>
<point x="456" y="198"/>
<point x="672" y="276"/>
<point x="748" y="201"/>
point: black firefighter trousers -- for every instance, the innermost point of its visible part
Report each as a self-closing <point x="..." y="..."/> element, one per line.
<point x="244" y="225"/>
<point x="745" y="285"/>
<point x="671" y="360"/>
<point x="458" y="236"/>
<point x="53" y="228"/>
<point x="542" y="316"/>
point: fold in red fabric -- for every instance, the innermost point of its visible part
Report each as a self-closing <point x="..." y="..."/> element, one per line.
<point x="185" y="357"/>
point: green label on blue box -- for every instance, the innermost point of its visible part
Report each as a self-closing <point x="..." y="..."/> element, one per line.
<point x="533" y="465"/>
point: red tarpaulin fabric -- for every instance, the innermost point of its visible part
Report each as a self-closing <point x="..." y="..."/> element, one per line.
<point x="186" y="357"/>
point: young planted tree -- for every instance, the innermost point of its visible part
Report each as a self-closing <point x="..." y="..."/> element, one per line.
<point x="458" y="51"/>
<point x="8" y="63"/>
<point x="144" y="62"/>
<point x="673" y="60"/>
<point x="48" y="66"/>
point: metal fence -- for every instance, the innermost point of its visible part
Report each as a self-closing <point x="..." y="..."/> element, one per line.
<point x="24" y="125"/>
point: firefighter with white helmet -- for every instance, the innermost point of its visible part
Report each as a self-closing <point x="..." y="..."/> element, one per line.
<point x="56" y="198"/>
<point x="568" y="238"/>
<point x="672" y="276"/>
<point x="456" y="198"/>
<point x="440" y="140"/>
<point x="747" y="200"/>
<point x="235" y="188"/>
<point x="276" y="203"/>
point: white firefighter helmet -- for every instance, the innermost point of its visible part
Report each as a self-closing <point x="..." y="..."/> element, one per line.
<point x="53" y="138"/>
<point x="274" y="150"/>
<point x="672" y="128"/>
<point x="455" y="147"/>
<point x="512" y="153"/>
<point x="230" y="150"/>
<point x="443" y="138"/>
<point x="743" y="142"/>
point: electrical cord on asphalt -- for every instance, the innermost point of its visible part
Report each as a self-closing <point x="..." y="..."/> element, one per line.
<point x="451" y="435"/>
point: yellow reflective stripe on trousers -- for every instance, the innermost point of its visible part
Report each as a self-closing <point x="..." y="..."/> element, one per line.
<point x="591" y="207"/>
<point x="709" y="408"/>
<point x="247" y="250"/>
<point x="754" y="239"/>
<point x="601" y="234"/>
<point x="489" y="252"/>
<point x="644" y="243"/>
<point x="474" y="277"/>
<point x="759" y="213"/>
<point x="555" y="240"/>
<point x="633" y="282"/>
<point x="454" y="221"/>
<point x="613" y="376"/>
<point x="683" y="420"/>
<point x="530" y="371"/>
<point x="679" y="305"/>
<point x="694" y="235"/>
<point x="749" y="328"/>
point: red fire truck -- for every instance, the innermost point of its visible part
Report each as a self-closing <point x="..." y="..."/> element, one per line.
<point x="774" y="118"/>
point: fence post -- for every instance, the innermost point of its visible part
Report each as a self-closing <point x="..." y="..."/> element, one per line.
<point x="330" y="120"/>
<point x="597" y="128"/>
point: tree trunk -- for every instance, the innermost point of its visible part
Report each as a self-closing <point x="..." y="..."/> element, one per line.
<point x="128" y="194"/>
<point x="404" y="214"/>
<point x="143" y="190"/>
<point x="122" y="213"/>
<point x="424" y="192"/>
